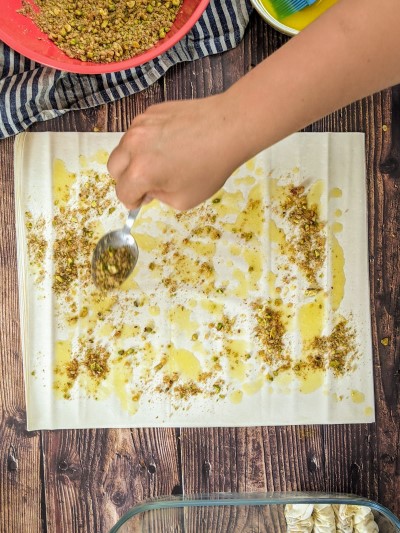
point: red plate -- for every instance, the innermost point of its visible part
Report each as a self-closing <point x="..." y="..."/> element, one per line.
<point x="20" y="33"/>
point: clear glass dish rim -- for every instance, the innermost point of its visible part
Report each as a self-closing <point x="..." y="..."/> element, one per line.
<point x="223" y="499"/>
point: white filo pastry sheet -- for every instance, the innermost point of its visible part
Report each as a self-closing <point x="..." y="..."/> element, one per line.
<point x="251" y="309"/>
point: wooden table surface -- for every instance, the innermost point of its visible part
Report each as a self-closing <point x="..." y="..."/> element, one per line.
<point x="84" y="480"/>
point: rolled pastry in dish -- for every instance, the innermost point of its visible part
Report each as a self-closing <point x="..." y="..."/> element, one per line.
<point x="299" y="518"/>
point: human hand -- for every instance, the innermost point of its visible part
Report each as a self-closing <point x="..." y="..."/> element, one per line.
<point x="178" y="152"/>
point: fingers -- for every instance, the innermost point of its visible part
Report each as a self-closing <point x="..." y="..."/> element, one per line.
<point x="162" y="155"/>
<point x="122" y="155"/>
<point x="118" y="161"/>
<point x="123" y="166"/>
<point x="130" y="188"/>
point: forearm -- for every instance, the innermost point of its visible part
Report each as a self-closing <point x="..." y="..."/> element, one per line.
<point x="182" y="152"/>
<point x="353" y="50"/>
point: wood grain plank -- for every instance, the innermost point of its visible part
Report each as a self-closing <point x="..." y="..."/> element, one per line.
<point x="20" y="483"/>
<point x="350" y="460"/>
<point x="253" y="459"/>
<point x="93" y="477"/>
<point x="383" y="163"/>
<point x="85" y="120"/>
<point x="120" y="114"/>
<point x="214" y="74"/>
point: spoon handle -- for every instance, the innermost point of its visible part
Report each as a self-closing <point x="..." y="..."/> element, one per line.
<point x="133" y="213"/>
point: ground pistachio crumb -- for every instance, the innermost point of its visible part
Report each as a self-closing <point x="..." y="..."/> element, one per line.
<point x="103" y="31"/>
<point x="113" y="266"/>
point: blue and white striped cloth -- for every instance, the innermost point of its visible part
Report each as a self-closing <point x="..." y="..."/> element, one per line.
<point x="30" y="92"/>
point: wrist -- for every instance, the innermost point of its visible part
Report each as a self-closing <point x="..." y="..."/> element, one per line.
<point x="230" y="123"/>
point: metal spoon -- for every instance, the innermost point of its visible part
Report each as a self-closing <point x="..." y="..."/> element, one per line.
<point x="113" y="240"/>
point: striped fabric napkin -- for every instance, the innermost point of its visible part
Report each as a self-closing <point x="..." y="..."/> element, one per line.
<point x="30" y="92"/>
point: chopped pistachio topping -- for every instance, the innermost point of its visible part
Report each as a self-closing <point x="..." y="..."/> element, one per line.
<point x="102" y="31"/>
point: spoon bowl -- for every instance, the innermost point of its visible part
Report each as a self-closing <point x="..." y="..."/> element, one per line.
<point x="115" y="255"/>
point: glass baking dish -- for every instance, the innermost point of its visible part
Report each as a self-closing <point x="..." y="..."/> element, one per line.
<point x="241" y="513"/>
